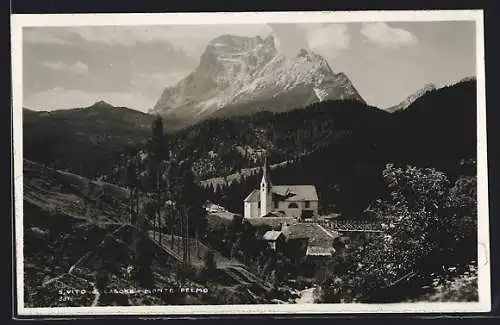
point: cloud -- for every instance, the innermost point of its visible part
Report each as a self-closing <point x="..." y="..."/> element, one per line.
<point x="325" y="39"/>
<point x="153" y="84"/>
<point x="109" y="35"/>
<point x="194" y="38"/>
<point x="291" y="38"/>
<point x="122" y="35"/>
<point x="77" y="68"/>
<point x="61" y="98"/>
<point x="384" y="35"/>
<point x="42" y="35"/>
<point x="328" y="39"/>
<point x="191" y="38"/>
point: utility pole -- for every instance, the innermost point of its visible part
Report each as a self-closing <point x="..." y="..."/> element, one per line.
<point x="197" y="244"/>
<point x="171" y="219"/>
<point x="159" y="201"/>
<point x="136" y="189"/>
<point x="181" y="233"/>
<point x="184" y="241"/>
<point x="188" y="239"/>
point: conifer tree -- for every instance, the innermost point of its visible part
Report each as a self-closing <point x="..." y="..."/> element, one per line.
<point x="159" y="151"/>
<point x="191" y="199"/>
<point x="131" y="182"/>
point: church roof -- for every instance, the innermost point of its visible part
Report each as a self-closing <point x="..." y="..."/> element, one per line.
<point x="253" y="196"/>
<point x="288" y="193"/>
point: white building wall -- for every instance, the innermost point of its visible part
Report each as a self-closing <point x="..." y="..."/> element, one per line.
<point x="296" y="212"/>
<point x="247" y="212"/>
<point x="255" y="210"/>
<point x="251" y="210"/>
<point x="265" y="200"/>
<point x="314" y="206"/>
<point x="273" y="245"/>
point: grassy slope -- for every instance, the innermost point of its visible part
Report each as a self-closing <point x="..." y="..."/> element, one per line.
<point x="66" y="236"/>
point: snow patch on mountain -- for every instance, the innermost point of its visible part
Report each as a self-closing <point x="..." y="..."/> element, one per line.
<point x="236" y="70"/>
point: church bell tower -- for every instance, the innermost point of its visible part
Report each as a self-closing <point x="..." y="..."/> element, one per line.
<point x="265" y="190"/>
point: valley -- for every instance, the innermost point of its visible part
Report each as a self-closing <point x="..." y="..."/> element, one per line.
<point x="118" y="199"/>
<point x="75" y="228"/>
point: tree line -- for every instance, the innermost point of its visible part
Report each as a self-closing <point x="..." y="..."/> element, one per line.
<point x="164" y="199"/>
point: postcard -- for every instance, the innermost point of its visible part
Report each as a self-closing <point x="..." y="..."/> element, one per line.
<point x="250" y="163"/>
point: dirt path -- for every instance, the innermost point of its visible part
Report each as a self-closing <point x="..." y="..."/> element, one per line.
<point x="96" y="292"/>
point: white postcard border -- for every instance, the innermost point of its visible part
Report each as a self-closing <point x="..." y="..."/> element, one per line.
<point x="20" y="21"/>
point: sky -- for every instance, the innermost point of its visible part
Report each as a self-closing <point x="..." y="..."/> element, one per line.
<point x="68" y="67"/>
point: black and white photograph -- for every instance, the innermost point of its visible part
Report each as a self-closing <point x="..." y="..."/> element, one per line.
<point x="250" y="163"/>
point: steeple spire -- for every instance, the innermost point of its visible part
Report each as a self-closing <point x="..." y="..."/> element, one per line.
<point x="265" y="190"/>
<point x="266" y="177"/>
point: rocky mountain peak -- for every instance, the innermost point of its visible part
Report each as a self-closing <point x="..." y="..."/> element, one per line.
<point x="466" y="79"/>
<point x="427" y="87"/>
<point x="102" y="104"/>
<point x="412" y="98"/>
<point x="231" y="44"/>
<point x="230" y="55"/>
<point x="237" y="70"/>
<point x="310" y="56"/>
<point x="242" y="41"/>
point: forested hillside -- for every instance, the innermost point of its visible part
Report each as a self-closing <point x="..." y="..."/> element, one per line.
<point x="88" y="140"/>
<point x="340" y="146"/>
<point x="348" y="147"/>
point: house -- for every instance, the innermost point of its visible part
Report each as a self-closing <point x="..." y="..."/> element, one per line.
<point x="309" y="241"/>
<point x="319" y="251"/>
<point x="213" y="208"/>
<point x="293" y="201"/>
<point x="319" y="239"/>
<point x="275" y="239"/>
<point x="272" y="222"/>
<point x="311" y="244"/>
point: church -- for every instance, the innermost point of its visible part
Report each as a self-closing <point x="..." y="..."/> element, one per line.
<point x="295" y="201"/>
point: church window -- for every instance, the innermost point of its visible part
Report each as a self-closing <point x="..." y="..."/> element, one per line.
<point x="293" y="205"/>
<point x="276" y="204"/>
<point x="258" y="204"/>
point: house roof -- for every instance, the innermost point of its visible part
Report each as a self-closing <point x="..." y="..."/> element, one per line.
<point x="270" y="221"/>
<point x="275" y="214"/>
<point x="319" y="251"/>
<point x="288" y="193"/>
<point x="225" y="214"/>
<point x="316" y="234"/>
<point x="355" y="225"/>
<point x="272" y="235"/>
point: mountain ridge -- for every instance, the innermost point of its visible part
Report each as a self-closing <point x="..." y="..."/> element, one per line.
<point x="410" y="99"/>
<point x="235" y="70"/>
<point x="346" y="141"/>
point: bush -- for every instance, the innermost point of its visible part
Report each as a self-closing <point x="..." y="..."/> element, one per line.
<point x="463" y="287"/>
<point x="423" y="215"/>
